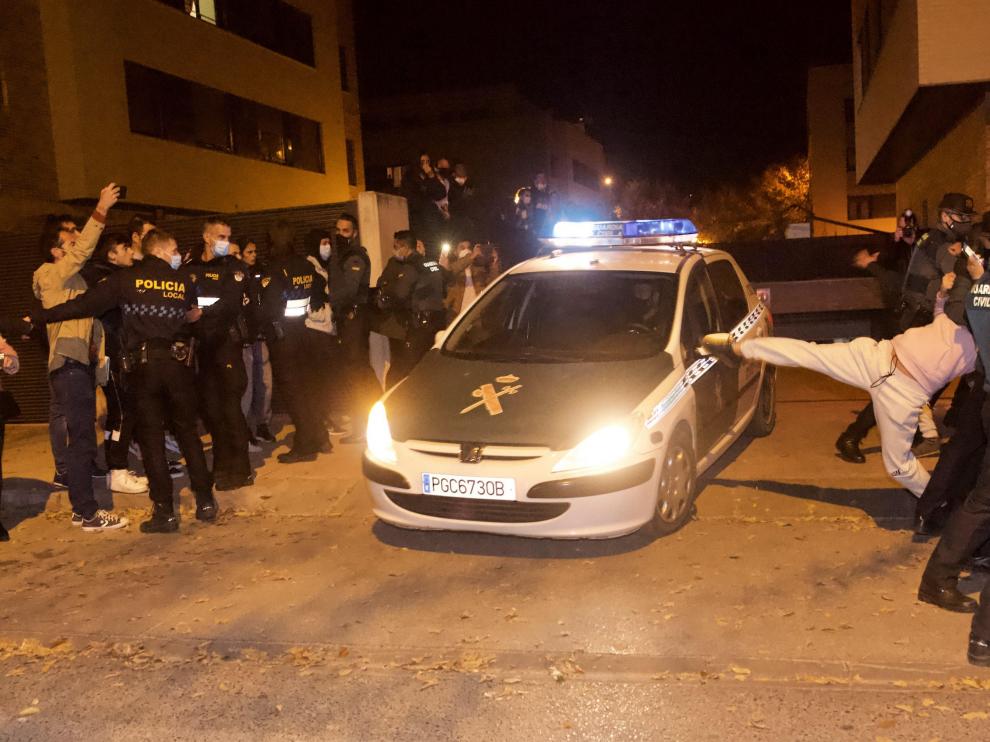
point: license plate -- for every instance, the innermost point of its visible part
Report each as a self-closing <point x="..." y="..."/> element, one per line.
<point x="481" y="488"/>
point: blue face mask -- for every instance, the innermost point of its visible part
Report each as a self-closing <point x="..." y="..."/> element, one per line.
<point x="175" y="261"/>
<point x="324" y="251"/>
<point x="221" y="248"/>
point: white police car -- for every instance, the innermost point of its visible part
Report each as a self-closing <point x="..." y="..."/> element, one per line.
<point x="570" y="400"/>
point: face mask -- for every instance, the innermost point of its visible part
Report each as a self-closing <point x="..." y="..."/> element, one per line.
<point x="221" y="248"/>
<point x="175" y="261"/>
<point x="460" y="180"/>
<point x="324" y="251"/>
<point x="342" y="243"/>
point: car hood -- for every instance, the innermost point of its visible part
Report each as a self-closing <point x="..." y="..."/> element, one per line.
<point x="538" y="404"/>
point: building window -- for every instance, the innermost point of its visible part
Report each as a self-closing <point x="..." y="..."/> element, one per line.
<point x="273" y="24"/>
<point x="871" y="207"/>
<point x="850" y="117"/>
<point x="872" y="33"/>
<point x="168" y="107"/>
<point x="352" y="178"/>
<point x="584" y="175"/>
<point x="345" y="77"/>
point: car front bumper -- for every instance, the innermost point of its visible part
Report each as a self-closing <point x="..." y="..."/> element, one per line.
<point x="598" y="505"/>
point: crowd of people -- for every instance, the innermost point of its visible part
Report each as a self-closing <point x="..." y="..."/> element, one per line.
<point x="446" y="205"/>
<point x="202" y="339"/>
<point x="937" y="292"/>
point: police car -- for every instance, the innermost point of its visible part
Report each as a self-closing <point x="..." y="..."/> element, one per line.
<point x="571" y="399"/>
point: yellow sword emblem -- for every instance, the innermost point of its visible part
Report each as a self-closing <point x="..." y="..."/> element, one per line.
<point x="490" y="398"/>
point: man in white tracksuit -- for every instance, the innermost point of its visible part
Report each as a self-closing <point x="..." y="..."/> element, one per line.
<point x="900" y="375"/>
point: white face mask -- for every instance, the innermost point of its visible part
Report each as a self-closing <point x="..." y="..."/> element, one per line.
<point x="325" y="250"/>
<point x="221" y="248"/>
<point x="460" y="180"/>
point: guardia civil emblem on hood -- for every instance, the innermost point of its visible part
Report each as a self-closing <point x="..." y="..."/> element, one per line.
<point x="489" y="397"/>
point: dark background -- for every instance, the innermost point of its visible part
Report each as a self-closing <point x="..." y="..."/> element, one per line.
<point x="692" y="93"/>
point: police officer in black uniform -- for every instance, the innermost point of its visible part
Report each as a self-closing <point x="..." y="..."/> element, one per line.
<point x="156" y="302"/>
<point x="224" y="293"/>
<point x="410" y="294"/>
<point x="290" y="290"/>
<point x="350" y="276"/>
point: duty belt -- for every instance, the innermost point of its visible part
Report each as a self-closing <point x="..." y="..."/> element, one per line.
<point x="296" y="307"/>
<point x="182" y="351"/>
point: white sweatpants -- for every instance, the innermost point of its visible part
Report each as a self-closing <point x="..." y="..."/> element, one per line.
<point x="861" y="363"/>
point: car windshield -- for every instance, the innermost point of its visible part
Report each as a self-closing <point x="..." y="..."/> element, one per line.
<point x="569" y="316"/>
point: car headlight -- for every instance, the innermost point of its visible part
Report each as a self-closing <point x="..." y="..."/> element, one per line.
<point x="602" y="448"/>
<point x="379" y="437"/>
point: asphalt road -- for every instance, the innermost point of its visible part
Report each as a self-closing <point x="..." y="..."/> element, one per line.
<point x="785" y="610"/>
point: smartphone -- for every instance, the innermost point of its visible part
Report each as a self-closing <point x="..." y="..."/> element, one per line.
<point x="445" y="248"/>
<point x="123" y="192"/>
<point x="970" y="252"/>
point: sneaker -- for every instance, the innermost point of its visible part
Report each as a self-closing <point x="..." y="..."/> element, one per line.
<point x="104" y="521"/>
<point x="126" y="482"/>
<point x="175" y="469"/>
<point x="206" y="509"/>
<point x="294" y="457"/>
<point x="59" y="480"/>
<point x="172" y="445"/>
<point x="254" y="447"/>
<point x="77" y="520"/>
<point x="336" y="428"/>
<point x="264" y="433"/>
<point x="927" y="447"/>
<point x="224" y="485"/>
<point x="162" y="520"/>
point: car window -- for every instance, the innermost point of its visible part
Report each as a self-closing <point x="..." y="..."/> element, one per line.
<point x="569" y="316"/>
<point x="700" y="315"/>
<point x="732" y="302"/>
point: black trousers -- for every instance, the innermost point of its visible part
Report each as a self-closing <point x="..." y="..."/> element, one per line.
<point x="298" y="382"/>
<point x="222" y="382"/>
<point x="959" y="463"/>
<point x="967" y="530"/>
<point x="120" y="419"/>
<point x="405" y="354"/>
<point x="359" y="378"/>
<point x="166" y="389"/>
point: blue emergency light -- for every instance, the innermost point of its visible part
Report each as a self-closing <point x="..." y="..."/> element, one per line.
<point x="642" y="231"/>
<point x="639" y="228"/>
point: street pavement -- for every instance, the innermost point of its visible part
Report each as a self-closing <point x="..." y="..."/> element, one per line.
<point x="786" y="610"/>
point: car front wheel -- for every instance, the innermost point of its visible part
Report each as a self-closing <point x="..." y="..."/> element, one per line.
<point x="765" y="417"/>
<point x="676" y="490"/>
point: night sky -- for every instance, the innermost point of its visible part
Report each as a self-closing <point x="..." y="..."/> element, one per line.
<point x="694" y="93"/>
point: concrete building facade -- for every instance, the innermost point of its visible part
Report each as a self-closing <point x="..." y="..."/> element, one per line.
<point x="503" y="138"/>
<point x="196" y="105"/>
<point x="835" y="193"/>
<point x="921" y="77"/>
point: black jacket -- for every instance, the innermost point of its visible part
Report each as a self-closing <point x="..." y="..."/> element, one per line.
<point x="152" y="296"/>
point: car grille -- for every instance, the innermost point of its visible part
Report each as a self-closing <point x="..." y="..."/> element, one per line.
<point x="486" y="511"/>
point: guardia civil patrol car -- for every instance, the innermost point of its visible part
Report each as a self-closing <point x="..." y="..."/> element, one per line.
<point x="571" y="398"/>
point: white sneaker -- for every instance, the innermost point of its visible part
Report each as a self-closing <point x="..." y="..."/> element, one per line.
<point x="172" y="445"/>
<point x="126" y="482"/>
<point x="254" y="448"/>
<point x="104" y="521"/>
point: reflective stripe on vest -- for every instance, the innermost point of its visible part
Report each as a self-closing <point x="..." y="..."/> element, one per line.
<point x="296" y="307"/>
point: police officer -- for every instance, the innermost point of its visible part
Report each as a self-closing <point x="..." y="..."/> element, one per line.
<point x="969" y="526"/>
<point x="156" y="302"/>
<point x="350" y="276"/>
<point x="291" y="291"/>
<point x="410" y="293"/>
<point x="223" y="292"/>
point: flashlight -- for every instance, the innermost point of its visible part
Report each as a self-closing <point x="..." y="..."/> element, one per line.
<point x="445" y="248"/>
